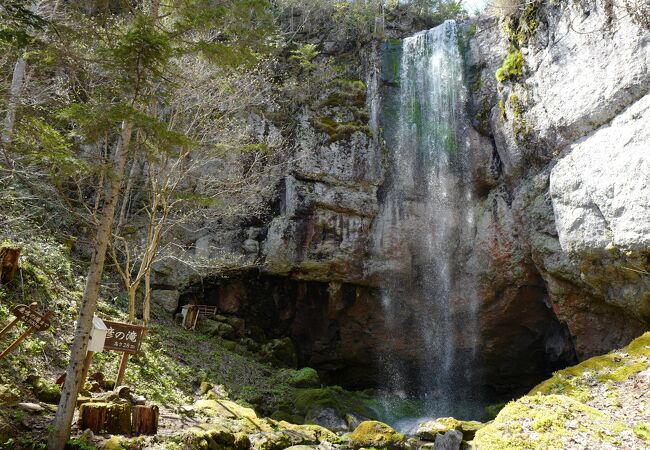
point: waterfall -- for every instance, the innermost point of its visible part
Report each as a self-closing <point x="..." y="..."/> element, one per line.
<point x="426" y="223"/>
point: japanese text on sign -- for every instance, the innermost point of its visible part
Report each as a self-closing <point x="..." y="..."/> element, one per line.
<point x="31" y="317"/>
<point x="123" y="337"/>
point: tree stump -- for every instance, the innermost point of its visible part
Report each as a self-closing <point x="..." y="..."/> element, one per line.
<point x="93" y="416"/>
<point x="9" y="256"/>
<point x="145" y="420"/>
<point x="118" y="418"/>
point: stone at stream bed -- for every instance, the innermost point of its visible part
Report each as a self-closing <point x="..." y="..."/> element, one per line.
<point x="372" y="433"/>
<point x="328" y="418"/>
<point x="428" y="431"/>
<point x="451" y="440"/>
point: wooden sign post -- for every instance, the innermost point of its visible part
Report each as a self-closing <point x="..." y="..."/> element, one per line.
<point x="30" y="316"/>
<point x="125" y="338"/>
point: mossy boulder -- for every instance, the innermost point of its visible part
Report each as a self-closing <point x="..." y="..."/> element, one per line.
<point x="114" y="443"/>
<point x="307" y="401"/>
<point x="304" y="378"/>
<point x="614" y="367"/>
<point x="43" y="390"/>
<point x="214" y="437"/>
<point x="289" y="435"/>
<point x="213" y="327"/>
<point x="275" y="440"/>
<point x="239" y="325"/>
<point x="255" y="333"/>
<point x="224" y="408"/>
<point x="372" y="433"/>
<point x="280" y="352"/>
<point x="429" y="430"/>
<point x="559" y="410"/>
<point x="312" y="432"/>
<point x="550" y="422"/>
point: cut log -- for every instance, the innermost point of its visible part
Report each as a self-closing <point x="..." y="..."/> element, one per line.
<point x="9" y="256"/>
<point x="145" y="420"/>
<point x="118" y="418"/>
<point x="93" y="416"/>
<point x="123" y="392"/>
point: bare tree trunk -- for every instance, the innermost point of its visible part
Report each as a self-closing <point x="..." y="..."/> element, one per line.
<point x="61" y="426"/>
<point x="131" y="291"/>
<point x="14" y="97"/>
<point x="146" y="303"/>
<point x="126" y="200"/>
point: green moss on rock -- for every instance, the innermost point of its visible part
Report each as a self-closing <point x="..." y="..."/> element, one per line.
<point x="512" y="66"/>
<point x="613" y="367"/>
<point x="44" y="391"/>
<point x="553" y="413"/>
<point x="372" y="433"/>
<point x="549" y="422"/>
<point x="304" y="378"/>
<point x="114" y="443"/>
<point x="338" y="131"/>
<point x="335" y="397"/>
<point x="429" y="430"/>
<point x="224" y="408"/>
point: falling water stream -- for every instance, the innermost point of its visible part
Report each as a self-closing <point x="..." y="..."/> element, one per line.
<point x="427" y="223"/>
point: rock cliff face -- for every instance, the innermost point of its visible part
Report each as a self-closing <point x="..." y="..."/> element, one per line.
<point x="570" y="135"/>
<point x="561" y="173"/>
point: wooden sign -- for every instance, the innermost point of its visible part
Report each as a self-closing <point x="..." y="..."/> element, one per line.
<point x="31" y="317"/>
<point x="123" y="337"/>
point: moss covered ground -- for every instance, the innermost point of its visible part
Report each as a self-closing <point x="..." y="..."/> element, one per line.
<point x="603" y="402"/>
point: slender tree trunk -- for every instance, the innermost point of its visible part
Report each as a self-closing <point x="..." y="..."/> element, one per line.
<point x="65" y="412"/>
<point x="131" y="291"/>
<point x="14" y="97"/>
<point x="127" y="196"/>
<point x="146" y="304"/>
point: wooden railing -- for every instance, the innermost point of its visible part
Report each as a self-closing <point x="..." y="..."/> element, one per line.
<point x="207" y="310"/>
